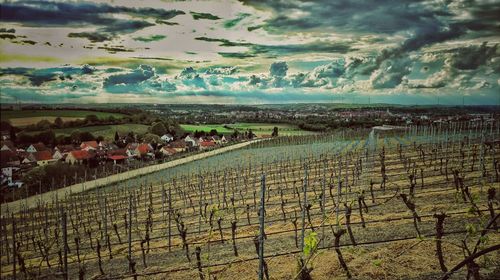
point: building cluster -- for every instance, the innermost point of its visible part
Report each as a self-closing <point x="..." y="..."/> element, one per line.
<point x="16" y="160"/>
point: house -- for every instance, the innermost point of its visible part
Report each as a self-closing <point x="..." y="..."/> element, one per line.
<point x="204" y="145"/>
<point x="43" y="157"/>
<point x="118" y="156"/>
<point x="104" y="145"/>
<point x="64" y="149"/>
<point x="5" y="135"/>
<point x="78" y="156"/>
<point x="33" y="148"/>
<point x="130" y="149"/>
<point x="144" y="150"/>
<point x="167" y="151"/>
<point x="57" y="155"/>
<point x="191" y="141"/>
<point x="8" y="146"/>
<point x="89" y="145"/>
<point x="61" y="151"/>
<point x="178" y="146"/>
<point x="219" y="139"/>
<point x="167" y="138"/>
<point x="26" y="158"/>
<point x="216" y="139"/>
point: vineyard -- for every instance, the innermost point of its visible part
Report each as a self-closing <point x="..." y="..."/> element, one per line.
<point x="390" y="203"/>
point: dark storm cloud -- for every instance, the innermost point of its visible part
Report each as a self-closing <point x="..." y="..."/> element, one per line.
<point x="38" y="13"/>
<point x="233" y="22"/>
<point x="140" y="74"/>
<point x="422" y="25"/>
<point x="278" y="50"/>
<point x="470" y="58"/>
<point x="382" y="16"/>
<point x="278" y="69"/>
<point x="38" y="77"/>
<point x="197" y="16"/>
<point x="93" y="37"/>
<point x="483" y="19"/>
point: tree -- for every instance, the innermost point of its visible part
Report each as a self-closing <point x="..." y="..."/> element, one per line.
<point x="47" y="137"/>
<point x="111" y="119"/>
<point x="130" y="137"/>
<point x="25" y="138"/>
<point x="275" y="132"/>
<point x="250" y="134"/>
<point x="90" y="119"/>
<point x="86" y="136"/>
<point x="43" y="125"/>
<point x="235" y="134"/>
<point x="75" y="137"/>
<point x="213" y="132"/>
<point x="199" y="134"/>
<point x="12" y="134"/>
<point x="61" y="140"/>
<point x="58" y="122"/>
<point x="5" y="126"/>
<point x="34" y="176"/>
<point x="151" y="138"/>
<point x="158" y="128"/>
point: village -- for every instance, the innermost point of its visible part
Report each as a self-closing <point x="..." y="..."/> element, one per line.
<point x="18" y="161"/>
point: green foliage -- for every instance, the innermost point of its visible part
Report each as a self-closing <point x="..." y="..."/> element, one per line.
<point x="310" y="243"/>
<point x="158" y="128"/>
<point x="275" y="132"/>
<point x="483" y="239"/>
<point x="377" y="262"/>
<point x="90" y="119"/>
<point x="471" y="228"/>
<point x="58" y="122"/>
<point x="151" y="138"/>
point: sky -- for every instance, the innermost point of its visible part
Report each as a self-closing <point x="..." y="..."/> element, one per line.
<point x="250" y="52"/>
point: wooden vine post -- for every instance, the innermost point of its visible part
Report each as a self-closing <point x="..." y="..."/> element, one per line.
<point x="14" y="248"/>
<point x="304" y="209"/>
<point x="439" y="234"/>
<point x="260" y="251"/>
<point x="65" y="243"/>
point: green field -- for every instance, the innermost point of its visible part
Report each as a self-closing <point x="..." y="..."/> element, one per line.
<point x="107" y="131"/>
<point x="27" y="117"/>
<point x="257" y="128"/>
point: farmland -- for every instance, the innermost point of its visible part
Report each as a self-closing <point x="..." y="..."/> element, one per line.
<point x="258" y="128"/>
<point x="28" y="117"/>
<point x="107" y="131"/>
<point x="347" y="205"/>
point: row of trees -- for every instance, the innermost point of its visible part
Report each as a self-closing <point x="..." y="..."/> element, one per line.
<point x="49" y="138"/>
<point x="89" y="120"/>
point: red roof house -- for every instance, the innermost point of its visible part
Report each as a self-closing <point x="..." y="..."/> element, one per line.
<point x="207" y="145"/>
<point x="43" y="157"/>
<point x="78" y="156"/>
<point x="89" y="145"/>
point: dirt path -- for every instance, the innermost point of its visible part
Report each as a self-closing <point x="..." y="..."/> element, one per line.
<point x="33" y="201"/>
